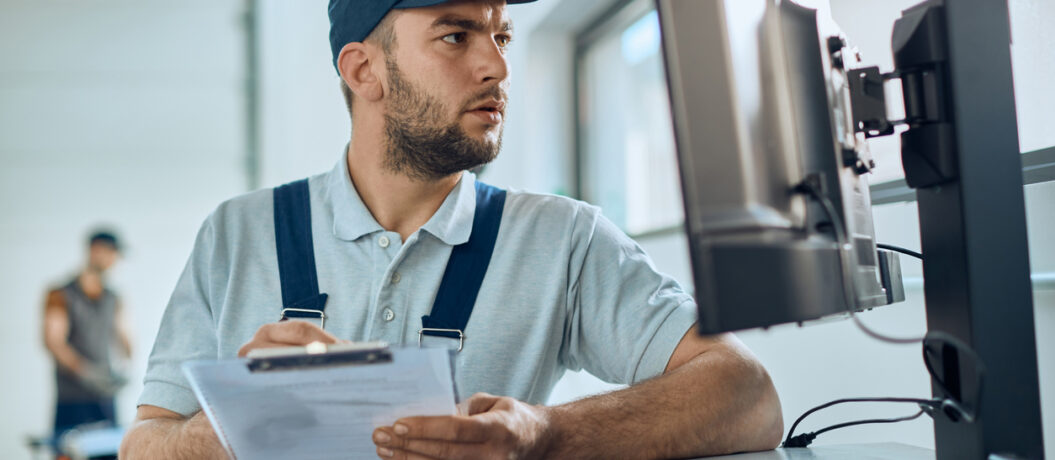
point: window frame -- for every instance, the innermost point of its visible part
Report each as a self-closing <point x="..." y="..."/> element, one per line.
<point x="620" y="14"/>
<point x="1038" y="166"/>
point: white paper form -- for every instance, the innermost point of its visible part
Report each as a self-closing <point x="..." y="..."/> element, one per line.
<point x="325" y="413"/>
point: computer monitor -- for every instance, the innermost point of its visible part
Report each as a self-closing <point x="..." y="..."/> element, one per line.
<point x="762" y="120"/>
<point x="770" y="127"/>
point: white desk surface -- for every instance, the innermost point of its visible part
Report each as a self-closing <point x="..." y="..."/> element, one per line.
<point x="878" y="451"/>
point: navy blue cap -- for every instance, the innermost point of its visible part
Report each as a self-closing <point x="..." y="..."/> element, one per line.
<point x="353" y="20"/>
<point x="105" y="237"/>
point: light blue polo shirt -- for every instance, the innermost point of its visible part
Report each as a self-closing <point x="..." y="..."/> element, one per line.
<point x="566" y="289"/>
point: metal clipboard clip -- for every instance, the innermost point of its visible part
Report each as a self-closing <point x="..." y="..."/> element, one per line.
<point x="318" y="355"/>
<point x="461" y="336"/>
<point x="319" y="313"/>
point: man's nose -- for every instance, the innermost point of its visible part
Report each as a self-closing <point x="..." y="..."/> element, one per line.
<point x="491" y="63"/>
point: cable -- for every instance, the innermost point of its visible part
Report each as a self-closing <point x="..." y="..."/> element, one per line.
<point x="880" y="336"/>
<point x="805" y="439"/>
<point x="953" y="409"/>
<point x="908" y="252"/>
<point x="811" y="186"/>
<point x="864" y="422"/>
<point x="850" y="400"/>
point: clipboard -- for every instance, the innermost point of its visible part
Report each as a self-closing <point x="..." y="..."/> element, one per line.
<point x="319" y="401"/>
<point x="317" y="354"/>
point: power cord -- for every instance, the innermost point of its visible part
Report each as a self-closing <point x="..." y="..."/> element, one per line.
<point x="812" y="186"/>
<point x="907" y="252"/>
<point x="927" y="406"/>
<point x="953" y="409"/>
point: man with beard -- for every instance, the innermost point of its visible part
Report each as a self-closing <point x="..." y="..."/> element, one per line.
<point x="404" y="245"/>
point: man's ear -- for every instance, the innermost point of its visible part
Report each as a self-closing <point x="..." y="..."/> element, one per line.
<point x="357" y="72"/>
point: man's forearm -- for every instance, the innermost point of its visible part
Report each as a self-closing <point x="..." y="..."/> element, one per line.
<point x="171" y="438"/>
<point x="126" y="343"/>
<point x="124" y="337"/>
<point x="65" y="356"/>
<point x="719" y="402"/>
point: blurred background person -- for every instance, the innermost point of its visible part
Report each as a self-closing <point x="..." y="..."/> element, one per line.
<point x="82" y="326"/>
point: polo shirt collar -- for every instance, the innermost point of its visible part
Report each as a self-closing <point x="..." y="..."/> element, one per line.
<point x="452" y="223"/>
<point x="351" y="219"/>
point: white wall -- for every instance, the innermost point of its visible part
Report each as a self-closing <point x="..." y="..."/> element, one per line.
<point x="126" y="112"/>
<point x="304" y="124"/>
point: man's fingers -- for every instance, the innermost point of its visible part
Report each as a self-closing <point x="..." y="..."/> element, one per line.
<point x="391" y="445"/>
<point x="503" y="428"/>
<point x="389" y="454"/>
<point x="287" y="333"/>
<point x="478" y="403"/>
<point x="247" y="347"/>
<point x="446" y="450"/>
<point x="297" y="333"/>
<point x="440" y="428"/>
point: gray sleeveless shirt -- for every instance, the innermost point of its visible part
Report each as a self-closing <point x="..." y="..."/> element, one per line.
<point x="91" y="335"/>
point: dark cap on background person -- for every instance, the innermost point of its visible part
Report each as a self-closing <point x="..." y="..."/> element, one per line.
<point x="105" y="237"/>
<point x="353" y="20"/>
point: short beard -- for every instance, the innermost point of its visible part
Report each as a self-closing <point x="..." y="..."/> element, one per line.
<point x="419" y="146"/>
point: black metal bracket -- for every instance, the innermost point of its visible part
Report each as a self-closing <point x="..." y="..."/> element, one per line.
<point x="921" y="64"/>
<point x="868" y="99"/>
<point x="921" y="61"/>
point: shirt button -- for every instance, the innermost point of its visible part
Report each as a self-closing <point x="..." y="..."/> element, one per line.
<point x="396" y="277"/>
<point x="388" y="314"/>
<point x="383" y="241"/>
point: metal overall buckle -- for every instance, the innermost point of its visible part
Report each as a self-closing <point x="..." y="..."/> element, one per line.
<point x="319" y="313"/>
<point x="461" y="336"/>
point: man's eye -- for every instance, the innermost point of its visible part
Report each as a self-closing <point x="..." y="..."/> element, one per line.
<point x="455" y="38"/>
<point x="503" y="40"/>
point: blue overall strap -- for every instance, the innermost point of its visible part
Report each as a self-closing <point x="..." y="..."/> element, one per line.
<point x="466" y="267"/>
<point x="296" y="253"/>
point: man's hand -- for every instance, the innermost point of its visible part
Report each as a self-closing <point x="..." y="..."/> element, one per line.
<point x="287" y="334"/>
<point x="161" y="433"/>
<point x="487" y="427"/>
<point x="101" y="380"/>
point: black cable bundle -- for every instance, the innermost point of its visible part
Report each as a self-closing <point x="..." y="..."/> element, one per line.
<point x="955" y="409"/>
<point x="804" y="439"/>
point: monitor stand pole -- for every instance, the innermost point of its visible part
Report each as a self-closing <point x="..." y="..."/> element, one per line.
<point x="961" y="154"/>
